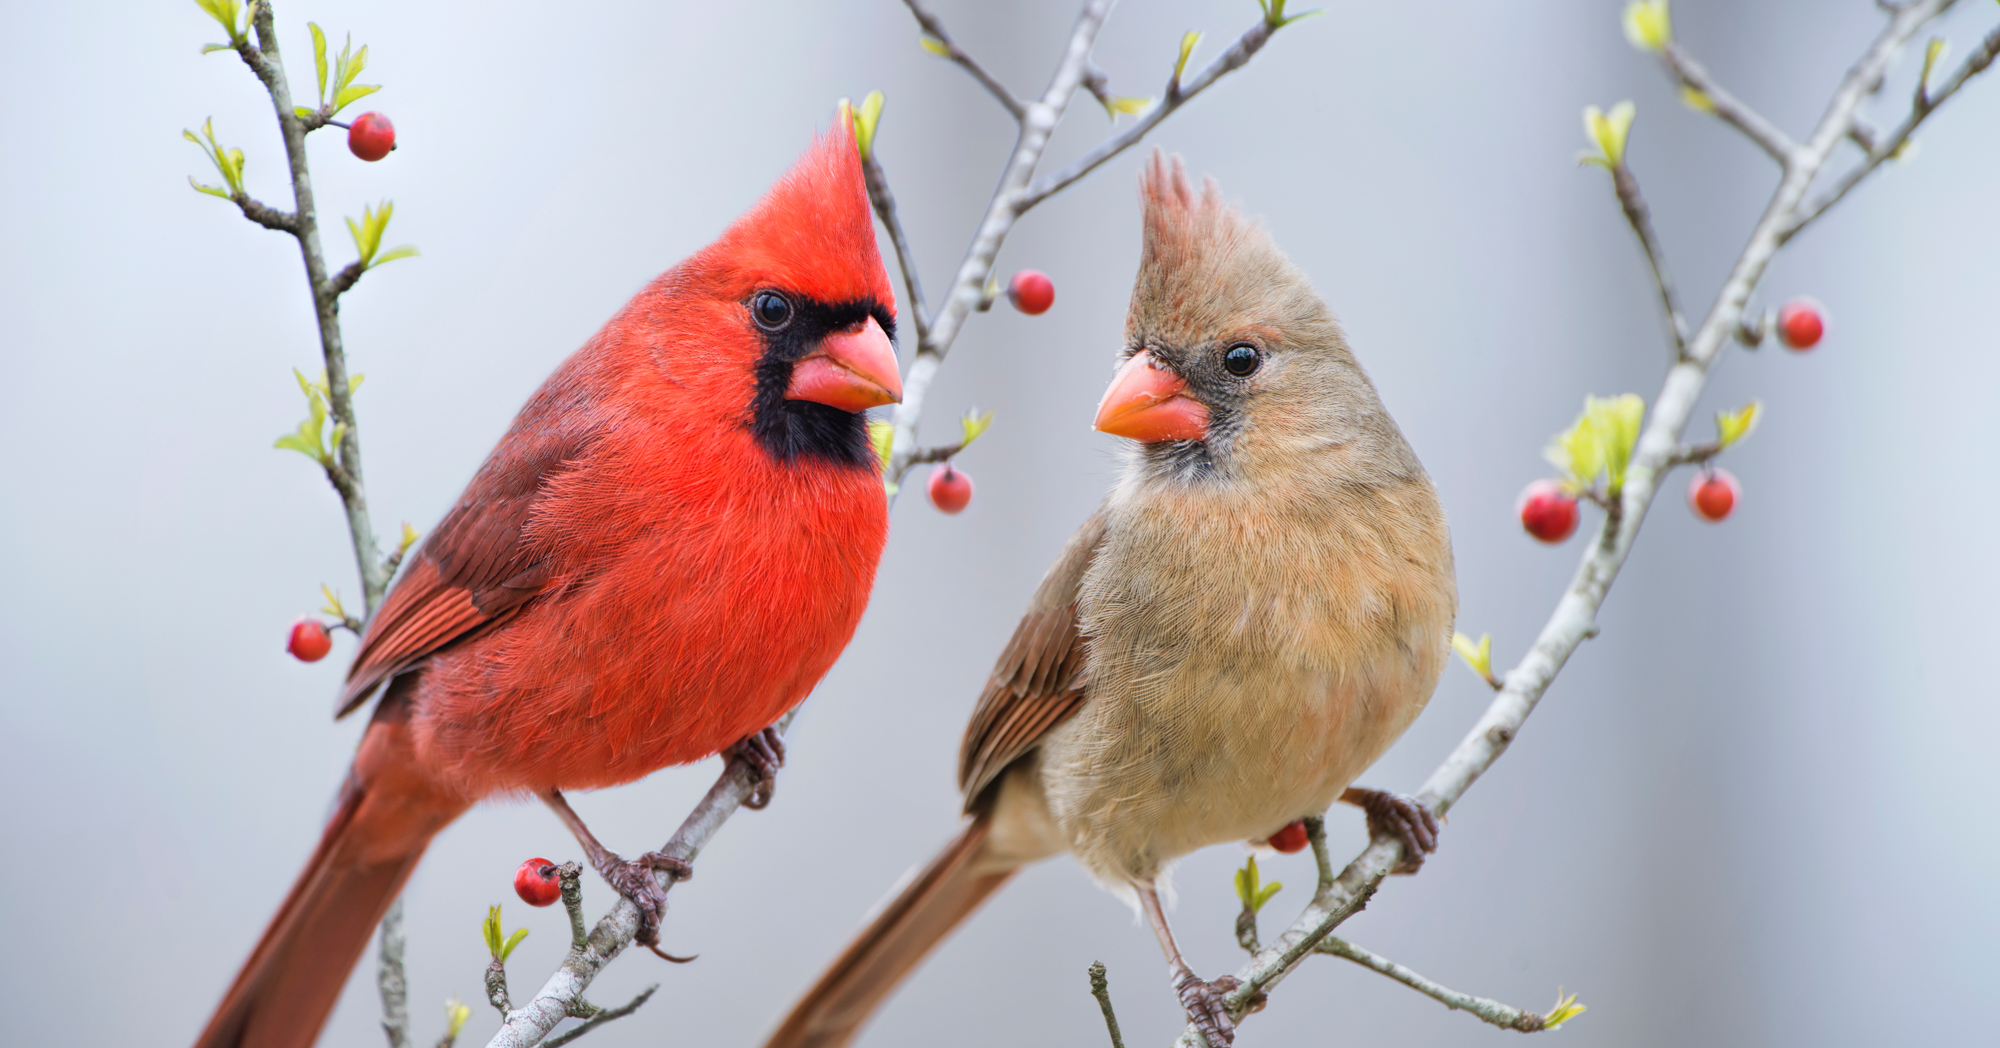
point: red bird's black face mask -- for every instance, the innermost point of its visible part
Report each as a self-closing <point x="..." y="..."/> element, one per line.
<point x="789" y="429"/>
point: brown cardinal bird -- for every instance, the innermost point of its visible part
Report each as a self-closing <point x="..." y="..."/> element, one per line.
<point x="1261" y="606"/>
<point x="664" y="554"/>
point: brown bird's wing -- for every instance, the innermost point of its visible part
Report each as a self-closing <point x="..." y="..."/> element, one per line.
<point x="1039" y="680"/>
<point x="475" y="571"/>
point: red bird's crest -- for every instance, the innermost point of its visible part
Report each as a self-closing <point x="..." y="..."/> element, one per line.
<point x="812" y="232"/>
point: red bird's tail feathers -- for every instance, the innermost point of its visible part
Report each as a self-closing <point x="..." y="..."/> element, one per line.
<point x="928" y="907"/>
<point x="378" y="831"/>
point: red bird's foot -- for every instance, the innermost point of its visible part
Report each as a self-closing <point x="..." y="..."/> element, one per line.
<point x="764" y="752"/>
<point x="1205" y="1009"/>
<point x="633" y="879"/>
<point x="1394" y="815"/>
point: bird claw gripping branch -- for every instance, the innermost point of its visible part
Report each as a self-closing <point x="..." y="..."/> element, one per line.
<point x="633" y="879"/>
<point x="764" y="752"/>
<point x="1203" y="1001"/>
<point x="1400" y="817"/>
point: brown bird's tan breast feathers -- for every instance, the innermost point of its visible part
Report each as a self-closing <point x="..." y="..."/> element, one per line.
<point x="1261" y="606"/>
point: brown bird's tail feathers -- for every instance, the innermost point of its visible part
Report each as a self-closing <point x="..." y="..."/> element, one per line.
<point x="925" y="910"/>
<point x="289" y="985"/>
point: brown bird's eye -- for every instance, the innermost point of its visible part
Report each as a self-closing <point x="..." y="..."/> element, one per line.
<point x="1241" y="359"/>
<point x="771" y="310"/>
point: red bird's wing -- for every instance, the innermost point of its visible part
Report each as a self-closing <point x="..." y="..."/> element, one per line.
<point x="475" y="570"/>
<point x="1039" y="680"/>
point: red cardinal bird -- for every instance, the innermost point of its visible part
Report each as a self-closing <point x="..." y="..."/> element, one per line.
<point x="667" y="550"/>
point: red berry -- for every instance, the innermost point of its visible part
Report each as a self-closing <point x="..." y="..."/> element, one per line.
<point x="1547" y="511"/>
<point x="950" y="489"/>
<point x="1290" y="839"/>
<point x="535" y="882"/>
<point x="1800" y="324"/>
<point x="309" y="641"/>
<point x="1031" y="292"/>
<point x="371" y="136"/>
<point x="1713" y="494"/>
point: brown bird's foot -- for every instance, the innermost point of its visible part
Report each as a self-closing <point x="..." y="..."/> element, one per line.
<point x="1205" y="1008"/>
<point x="1394" y="815"/>
<point x="764" y="752"/>
<point x="633" y="879"/>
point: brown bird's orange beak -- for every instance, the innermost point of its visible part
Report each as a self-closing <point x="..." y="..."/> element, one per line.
<point x="1146" y="402"/>
<point x="851" y="370"/>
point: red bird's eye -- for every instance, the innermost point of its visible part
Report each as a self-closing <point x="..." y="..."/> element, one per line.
<point x="771" y="310"/>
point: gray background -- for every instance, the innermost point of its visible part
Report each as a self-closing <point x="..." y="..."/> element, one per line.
<point x="1753" y="812"/>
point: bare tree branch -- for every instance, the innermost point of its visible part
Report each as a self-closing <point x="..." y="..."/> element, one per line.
<point x="1100" y="988"/>
<point x="885" y="209"/>
<point x="1882" y="149"/>
<point x="390" y="981"/>
<point x="1575" y="616"/>
<point x="1501" y="1015"/>
<point x="935" y="30"/>
<point x="1017" y="191"/>
<point x="562" y="995"/>
<point x="1641" y="219"/>
<point x="264" y="60"/>
<point x="1691" y="74"/>
<point x="1175" y="96"/>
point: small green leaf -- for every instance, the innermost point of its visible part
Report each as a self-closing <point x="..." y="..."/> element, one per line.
<point x="1933" y="52"/>
<point x="300" y="443"/>
<point x="1478" y="656"/>
<point x="348" y="95"/>
<point x="1116" y="104"/>
<point x="1648" y="26"/>
<point x="393" y="254"/>
<point x="409" y="538"/>
<point x="972" y="425"/>
<point x="1696" y="100"/>
<point x="489" y="931"/>
<point x="1565" y="1009"/>
<point x="214" y="191"/>
<point x="227" y="12"/>
<point x="1264" y="896"/>
<point x="883" y="436"/>
<point x="368" y="233"/>
<point x="206" y="48"/>
<point x="1732" y="426"/>
<point x="1600" y="442"/>
<point x="319" y="58"/>
<point x="1274" y="13"/>
<point x="455" y="1015"/>
<point x="865" y="118"/>
<point x="1248" y="889"/>
<point x="332" y="606"/>
<point x="1609" y="131"/>
<point x="512" y="941"/>
<point x="1188" y="40"/>
<point x="934" y="45"/>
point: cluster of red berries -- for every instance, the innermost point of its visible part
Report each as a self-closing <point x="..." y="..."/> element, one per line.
<point x="1548" y="509"/>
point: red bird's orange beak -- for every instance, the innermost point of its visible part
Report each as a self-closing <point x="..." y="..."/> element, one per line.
<point x="1146" y="402"/>
<point x="851" y="370"/>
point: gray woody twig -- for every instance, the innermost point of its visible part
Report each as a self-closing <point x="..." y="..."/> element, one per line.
<point x="1641" y="219"/>
<point x="935" y="30"/>
<point x="562" y="995"/>
<point x="1017" y="192"/>
<point x="1100" y="988"/>
<point x="344" y="470"/>
<point x="303" y="223"/>
<point x="1691" y="74"/>
<point x="1574" y="619"/>
<point x="1501" y="1015"/>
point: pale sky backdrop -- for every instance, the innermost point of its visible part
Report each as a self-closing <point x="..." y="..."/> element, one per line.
<point x="1755" y="811"/>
